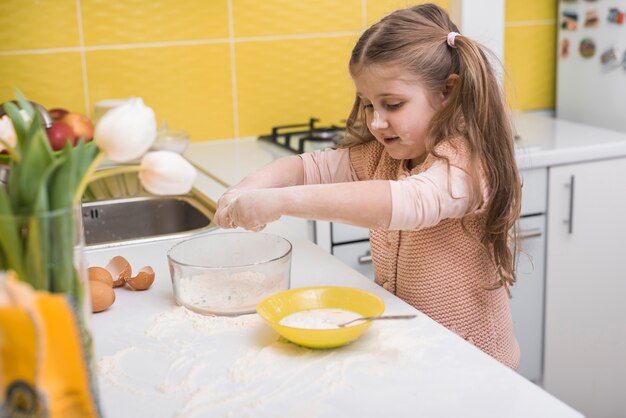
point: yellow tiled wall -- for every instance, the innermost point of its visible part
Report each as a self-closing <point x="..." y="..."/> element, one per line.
<point x="222" y="68"/>
<point x="530" y="53"/>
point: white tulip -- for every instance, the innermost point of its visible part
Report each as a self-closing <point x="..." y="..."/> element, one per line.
<point x="126" y="132"/>
<point x="166" y="173"/>
<point x="7" y="132"/>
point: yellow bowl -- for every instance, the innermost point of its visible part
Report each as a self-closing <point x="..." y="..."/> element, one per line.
<point x="276" y="307"/>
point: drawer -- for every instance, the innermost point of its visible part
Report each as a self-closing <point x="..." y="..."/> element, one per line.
<point x="346" y="233"/>
<point x="534" y="191"/>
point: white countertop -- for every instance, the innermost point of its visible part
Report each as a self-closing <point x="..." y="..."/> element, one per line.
<point x="159" y="360"/>
<point x="546" y="142"/>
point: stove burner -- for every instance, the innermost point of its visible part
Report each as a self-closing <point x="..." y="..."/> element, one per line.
<point x="284" y="135"/>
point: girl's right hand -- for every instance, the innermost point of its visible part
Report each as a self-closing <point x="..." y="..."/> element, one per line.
<point x="222" y="216"/>
<point x="248" y="209"/>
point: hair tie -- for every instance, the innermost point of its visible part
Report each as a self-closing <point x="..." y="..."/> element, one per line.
<point x="451" y="37"/>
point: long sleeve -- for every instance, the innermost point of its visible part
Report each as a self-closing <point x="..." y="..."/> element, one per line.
<point x="425" y="199"/>
<point x="328" y="166"/>
<point x="417" y="201"/>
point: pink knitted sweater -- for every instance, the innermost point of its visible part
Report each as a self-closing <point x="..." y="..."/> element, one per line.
<point x="441" y="270"/>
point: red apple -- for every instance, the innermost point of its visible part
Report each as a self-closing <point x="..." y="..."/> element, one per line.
<point x="81" y="125"/>
<point x="57" y="113"/>
<point x="58" y="134"/>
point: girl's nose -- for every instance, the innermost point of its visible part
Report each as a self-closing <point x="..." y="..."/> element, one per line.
<point x="378" y="122"/>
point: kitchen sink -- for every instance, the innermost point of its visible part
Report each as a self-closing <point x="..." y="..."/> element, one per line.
<point x="118" y="211"/>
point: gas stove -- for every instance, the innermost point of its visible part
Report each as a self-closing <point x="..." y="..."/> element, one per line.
<point x="305" y="137"/>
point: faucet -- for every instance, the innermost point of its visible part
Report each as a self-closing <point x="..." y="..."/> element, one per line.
<point x="47" y="119"/>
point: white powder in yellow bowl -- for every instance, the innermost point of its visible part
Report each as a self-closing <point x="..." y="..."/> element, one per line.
<point x="323" y="318"/>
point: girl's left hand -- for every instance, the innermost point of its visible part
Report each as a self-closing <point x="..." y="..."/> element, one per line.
<point x="253" y="209"/>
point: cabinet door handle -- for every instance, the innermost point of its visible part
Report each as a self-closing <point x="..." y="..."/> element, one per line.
<point x="365" y="258"/>
<point x="570" y="220"/>
<point x="529" y="233"/>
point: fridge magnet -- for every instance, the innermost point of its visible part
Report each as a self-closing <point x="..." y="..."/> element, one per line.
<point x="591" y="19"/>
<point x="564" y="48"/>
<point x="616" y="16"/>
<point x="609" y="59"/>
<point x="569" y="20"/>
<point x="587" y="47"/>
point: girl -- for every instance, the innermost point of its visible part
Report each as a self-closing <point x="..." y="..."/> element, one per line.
<point x="427" y="164"/>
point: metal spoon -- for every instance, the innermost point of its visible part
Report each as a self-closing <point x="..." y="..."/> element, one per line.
<point x="374" y="318"/>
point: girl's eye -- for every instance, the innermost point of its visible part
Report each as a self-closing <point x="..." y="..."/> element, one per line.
<point x="393" y="106"/>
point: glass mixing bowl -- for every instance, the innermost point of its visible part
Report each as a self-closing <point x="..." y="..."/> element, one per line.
<point x="229" y="273"/>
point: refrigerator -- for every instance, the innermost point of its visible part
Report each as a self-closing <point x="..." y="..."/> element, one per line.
<point x="591" y="63"/>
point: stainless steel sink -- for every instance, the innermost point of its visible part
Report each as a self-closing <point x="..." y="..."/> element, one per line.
<point x="118" y="211"/>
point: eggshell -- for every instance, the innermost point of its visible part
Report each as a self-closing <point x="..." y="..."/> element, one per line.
<point x="120" y="269"/>
<point x="143" y="280"/>
<point x="102" y="295"/>
<point x="100" y="274"/>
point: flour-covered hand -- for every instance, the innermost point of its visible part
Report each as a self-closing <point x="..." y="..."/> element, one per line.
<point x="222" y="217"/>
<point x="253" y="209"/>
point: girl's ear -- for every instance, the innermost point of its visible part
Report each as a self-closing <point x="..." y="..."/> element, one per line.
<point x="450" y="83"/>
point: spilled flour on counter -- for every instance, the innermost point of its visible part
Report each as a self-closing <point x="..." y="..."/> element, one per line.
<point x="108" y="367"/>
<point x="200" y="366"/>
<point x="172" y="321"/>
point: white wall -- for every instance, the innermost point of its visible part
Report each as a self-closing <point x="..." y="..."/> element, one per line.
<point x="483" y="21"/>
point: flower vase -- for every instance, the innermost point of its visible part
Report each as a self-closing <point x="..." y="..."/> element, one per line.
<point x="46" y="251"/>
<point x="44" y="247"/>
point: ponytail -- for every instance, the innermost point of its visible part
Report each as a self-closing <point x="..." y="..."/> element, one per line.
<point x="486" y="122"/>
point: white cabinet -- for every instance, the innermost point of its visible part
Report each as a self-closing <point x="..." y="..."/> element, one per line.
<point x="585" y="328"/>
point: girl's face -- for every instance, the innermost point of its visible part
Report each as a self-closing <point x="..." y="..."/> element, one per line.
<point x="398" y="110"/>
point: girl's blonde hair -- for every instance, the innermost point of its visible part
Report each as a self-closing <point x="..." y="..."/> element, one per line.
<point x="416" y="39"/>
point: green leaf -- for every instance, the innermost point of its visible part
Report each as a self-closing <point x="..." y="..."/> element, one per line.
<point x="3" y="262"/>
<point x="62" y="253"/>
<point x="63" y="182"/>
<point x="10" y="242"/>
<point x="36" y="253"/>
<point x="38" y="238"/>
<point x="37" y="131"/>
<point x="25" y="104"/>
<point x="85" y="155"/>
<point x="61" y="188"/>
<point x="27" y="176"/>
